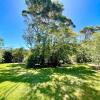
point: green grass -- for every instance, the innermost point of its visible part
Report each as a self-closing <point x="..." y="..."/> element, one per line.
<point x="73" y="82"/>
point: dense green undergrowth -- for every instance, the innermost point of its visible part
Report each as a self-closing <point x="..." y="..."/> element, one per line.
<point x="72" y="82"/>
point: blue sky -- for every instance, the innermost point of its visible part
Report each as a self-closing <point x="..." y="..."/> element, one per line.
<point x="12" y="22"/>
<point x="82" y="12"/>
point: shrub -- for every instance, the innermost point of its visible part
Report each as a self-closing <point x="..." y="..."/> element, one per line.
<point x="54" y="60"/>
<point x="30" y="61"/>
<point x="18" y="55"/>
<point x="34" y="60"/>
<point x="7" y="57"/>
<point x="83" y="57"/>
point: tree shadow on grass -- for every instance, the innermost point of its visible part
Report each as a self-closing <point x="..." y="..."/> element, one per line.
<point x="80" y="72"/>
<point x="89" y="92"/>
<point x="20" y="75"/>
<point x="62" y="90"/>
<point x="25" y="76"/>
<point x="43" y="75"/>
<point x="55" y="89"/>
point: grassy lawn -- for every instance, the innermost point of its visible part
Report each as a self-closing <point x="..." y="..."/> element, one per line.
<point x="73" y="82"/>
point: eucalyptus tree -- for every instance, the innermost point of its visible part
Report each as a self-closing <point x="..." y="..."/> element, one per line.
<point x="88" y="31"/>
<point x="47" y="28"/>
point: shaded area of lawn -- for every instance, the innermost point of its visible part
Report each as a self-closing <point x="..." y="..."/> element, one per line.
<point x="64" y="83"/>
<point x="13" y="74"/>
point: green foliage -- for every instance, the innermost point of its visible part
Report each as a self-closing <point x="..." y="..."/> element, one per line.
<point x="18" y="55"/>
<point x="54" y="59"/>
<point x="7" y="57"/>
<point x="50" y="34"/>
<point x="96" y="48"/>
<point x="48" y="30"/>
<point x="30" y="61"/>
<point x="89" y="31"/>
<point x="33" y="60"/>
<point x="83" y="56"/>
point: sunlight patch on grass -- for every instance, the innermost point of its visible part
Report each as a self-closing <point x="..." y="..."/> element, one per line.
<point x="21" y="90"/>
<point x="75" y="82"/>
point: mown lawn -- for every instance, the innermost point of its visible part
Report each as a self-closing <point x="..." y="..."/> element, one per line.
<point x="73" y="82"/>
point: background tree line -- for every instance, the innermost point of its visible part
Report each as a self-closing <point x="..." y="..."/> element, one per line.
<point x="17" y="55"/>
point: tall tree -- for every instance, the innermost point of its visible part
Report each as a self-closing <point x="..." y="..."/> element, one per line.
<point x="89" y="31"/>
<point x="46" y="25"/>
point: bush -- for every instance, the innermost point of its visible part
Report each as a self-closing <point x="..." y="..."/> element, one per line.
<point x="30" y="61"/>
<point x="18" y="58"/>
<point x="83" y="57"/>
<point x="18" y="55"/>
<point x="34" y="60"/>
<point x="7" y="57"/>
<point x="54" y="60"/>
